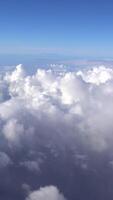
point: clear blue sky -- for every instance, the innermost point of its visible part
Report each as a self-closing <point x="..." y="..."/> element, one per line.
<point x="76" y="27"/>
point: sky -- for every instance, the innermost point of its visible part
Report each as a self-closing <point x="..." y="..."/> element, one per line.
<point x="81" y="28"/>
<point x="56" y="117"/>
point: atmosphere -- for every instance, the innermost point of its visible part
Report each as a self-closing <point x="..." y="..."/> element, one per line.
<point x="56" y="100"/>
<point x="66" y="27"/>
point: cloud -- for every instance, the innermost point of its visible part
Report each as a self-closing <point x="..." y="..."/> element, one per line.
<point x="51" y="103"/>
<point x="53" y="125"/>
<point x="33" y="165"/>
<point x="48" y="192"/>
<point x="12" y="129"/>
<point x="97" y="75"/>
<point x="54" y="101"/>
<point x="48" y="103"/>
<point x="4" y="160"/>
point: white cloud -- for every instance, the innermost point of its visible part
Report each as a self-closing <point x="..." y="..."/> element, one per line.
<point x="48" y="192"/>
<point x="68" y="107"/>
<point x="12" y="129"/>
<point x="97" y="75"/>
<point x="52" y="123"/>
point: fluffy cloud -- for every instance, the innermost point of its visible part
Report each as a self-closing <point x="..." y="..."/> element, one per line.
<point x="48" y="192"/>
<point x="97" y="75"/>
<point x="53" y="123"/>
<point x="72" y="105"/>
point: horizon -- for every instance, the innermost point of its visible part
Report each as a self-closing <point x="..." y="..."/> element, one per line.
<point x="56" y="99"/>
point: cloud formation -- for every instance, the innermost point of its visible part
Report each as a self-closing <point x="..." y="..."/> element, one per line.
<point x="79" y="103"/>
<point x="54" y="122"/>
<point x="48" y="192"/>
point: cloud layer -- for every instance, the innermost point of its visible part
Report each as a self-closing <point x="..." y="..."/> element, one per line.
<point x="54" y="121"/>
<point x="79" y="103"/>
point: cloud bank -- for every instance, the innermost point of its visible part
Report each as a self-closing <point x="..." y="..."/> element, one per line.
<point x="52" y="124"/>
<point x="69" y="105"/>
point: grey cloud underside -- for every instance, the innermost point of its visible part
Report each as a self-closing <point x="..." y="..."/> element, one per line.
<point x="56" y="134"/>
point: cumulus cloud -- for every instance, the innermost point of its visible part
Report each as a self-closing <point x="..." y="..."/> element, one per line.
<point x="97" y="75"/>
<point x="72" y="104"/>
<point x="48" y="192"/>
<point x="53" y="122"/>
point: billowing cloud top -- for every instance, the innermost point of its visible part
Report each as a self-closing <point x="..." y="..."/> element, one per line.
<point x="75" y="105"/>
<point x="53" y="116"/>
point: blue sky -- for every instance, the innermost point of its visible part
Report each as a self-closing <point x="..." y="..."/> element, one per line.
<point x="68" y="27"/>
